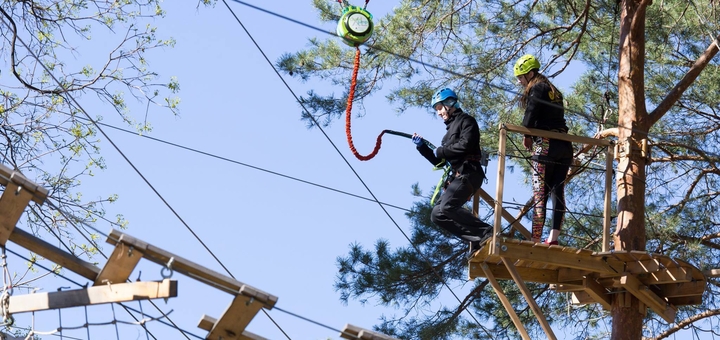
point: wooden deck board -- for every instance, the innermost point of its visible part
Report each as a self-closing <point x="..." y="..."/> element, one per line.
<point x="568" y="269"/>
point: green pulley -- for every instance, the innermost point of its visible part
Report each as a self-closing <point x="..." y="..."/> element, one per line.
<point x="355" y="25"/>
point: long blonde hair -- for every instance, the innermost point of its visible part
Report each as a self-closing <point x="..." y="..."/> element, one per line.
<point x="539" y="77"/>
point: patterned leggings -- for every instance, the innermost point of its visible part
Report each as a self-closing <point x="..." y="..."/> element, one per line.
<point x="548" y="181"/>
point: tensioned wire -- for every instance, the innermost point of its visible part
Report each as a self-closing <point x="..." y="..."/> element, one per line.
<point x="73" y="101"/>
<point x="72" y="220"/>
<point x="423" y="256"/>
<point x="588" y="117"/>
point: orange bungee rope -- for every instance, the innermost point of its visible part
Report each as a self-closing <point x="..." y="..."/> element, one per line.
<point x="348" y="114"/>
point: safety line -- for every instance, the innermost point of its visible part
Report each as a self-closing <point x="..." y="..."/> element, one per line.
<point x="427" y="260"/>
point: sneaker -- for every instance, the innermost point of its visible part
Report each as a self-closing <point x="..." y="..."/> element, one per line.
<point x="474" y="246"/>
<point x="551" y="243"/>
<point x="477" y="245"/>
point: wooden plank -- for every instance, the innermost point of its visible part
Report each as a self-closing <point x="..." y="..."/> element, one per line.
<point x="644" y="266"/>
<point x="686" y="301"/>
<point x="121" y="292"/>
<point x="581" y="298"/>
<point x="539" y="315"/>
<point x="236" y="317"/>
<point x="13" y="202"/>
<point x="7" y="176"/>
<point x="672" y="275"/>
<point x="501" y="272"/>
<point x="505" y="214"/>
<point x="120" y="265"/>
<point x="192" y="269"/>
<point x="674" y="290"/>
<point x="557" y="135"/>
<point x="54" y="254"/>
<point x="598" y="293"/>
<point x="355" y="332"/>
<point x="656" y="303"/>
<point x="207" y="322"/>
<point x="544" y="254"/>
<point x="506" y="303"/>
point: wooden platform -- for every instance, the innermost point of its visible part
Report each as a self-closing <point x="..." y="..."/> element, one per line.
<point x="660" y="282"/>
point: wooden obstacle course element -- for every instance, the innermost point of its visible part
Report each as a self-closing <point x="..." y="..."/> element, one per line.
<point x="191" y="269"/>
<point x="54" y="254"/>
<point x="236" y="317"/>
<point x="120" y="265"/>
<point x="505" y="301"/>
<point x="354" y="332"/>
<point x="8" y="176"/>
<point x="658" y="281"/>
<point x="122" y="292"/>
<point x="13" y="202"/>
<point x="207" y="323"/>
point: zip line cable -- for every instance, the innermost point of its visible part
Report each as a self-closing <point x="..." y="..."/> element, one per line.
<point x="205" y="153"/>
<point x="72" y="101"/>
<point x="576" y="112"/>
<point x="427" y="260"/>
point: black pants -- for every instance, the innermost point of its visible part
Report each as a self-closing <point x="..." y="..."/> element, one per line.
<point x="450" y="214"/>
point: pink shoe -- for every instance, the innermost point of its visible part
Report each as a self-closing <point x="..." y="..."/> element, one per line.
<point x="551" y="243"/>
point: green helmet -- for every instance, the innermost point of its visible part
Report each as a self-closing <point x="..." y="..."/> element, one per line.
<point x="526" y="64"/>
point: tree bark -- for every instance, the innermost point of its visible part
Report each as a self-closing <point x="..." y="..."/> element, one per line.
<point x="633" y="127"/>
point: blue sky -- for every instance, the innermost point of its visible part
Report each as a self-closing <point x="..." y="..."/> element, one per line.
<point x="275" y="234"/>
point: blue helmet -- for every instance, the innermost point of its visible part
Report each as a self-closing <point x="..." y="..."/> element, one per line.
<point x="445" y="94"/>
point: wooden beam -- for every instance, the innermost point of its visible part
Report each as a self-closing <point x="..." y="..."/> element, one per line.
<point x="598" y="293"/>
<point x="13" y="202"/>
<point x="207" y="323"/>
<point x="530" y="299"/>
<point x="236" y="317"/>
<point x="582" y="298"/>
<point x="7" y="176"/>
<point x="54" y="254"/>
<point x="656" y="303"/>
<point x="557" y="135"/>
<point x="354" y="332"/>
<point x="501" y="272"/>
<point x="122" y="292"/>
<point x="674" y="290"/>
<point x="553" y="257"/>
<point x="120" y="265"/>
<point x="505" y="214"/>
<point x="712" y="272"/>
<point x="506" y="303"/>
<point x="192" y="269"/>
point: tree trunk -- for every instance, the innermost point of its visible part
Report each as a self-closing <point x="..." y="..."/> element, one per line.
<point x="627" y="312"/>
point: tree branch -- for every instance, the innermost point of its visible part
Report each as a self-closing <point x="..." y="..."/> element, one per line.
<point x="685" y="82"/>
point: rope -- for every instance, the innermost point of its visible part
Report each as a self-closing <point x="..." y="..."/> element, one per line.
<point x="348" y="110"/>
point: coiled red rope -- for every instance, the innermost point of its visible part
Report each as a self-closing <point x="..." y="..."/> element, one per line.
<point x="348" y="113"/>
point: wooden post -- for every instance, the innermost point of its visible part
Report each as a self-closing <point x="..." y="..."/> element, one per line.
<point x="499" y="189"/>
<point x="530" y="299"/>
<point x="608" y="199"/>
<point x="506" y="303"/>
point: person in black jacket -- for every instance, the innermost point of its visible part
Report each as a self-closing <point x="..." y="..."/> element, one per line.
<point x="544" y="110"/>
<point x="461" y="149"/>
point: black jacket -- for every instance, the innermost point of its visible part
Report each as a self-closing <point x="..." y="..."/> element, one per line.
<point x="545" y="111"/>
<point x="460" y="145"/>
<point x="542" y="111"/>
